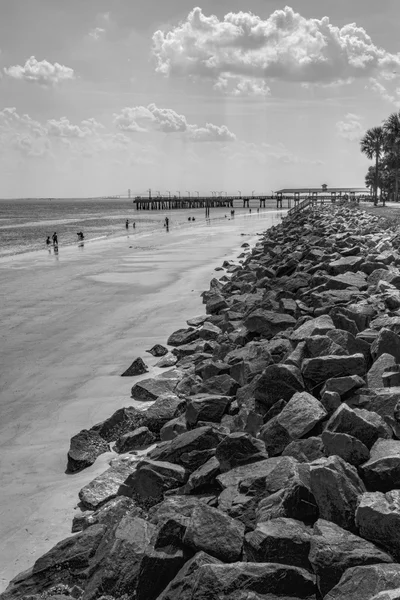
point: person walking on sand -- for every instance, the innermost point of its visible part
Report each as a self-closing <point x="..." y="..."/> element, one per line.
<point x="55" y="239"/>
<point x="48" y="242"/>
<point x="127" y="223"/>
<point x="166" y="223"/>
<point x="134" y="225"/>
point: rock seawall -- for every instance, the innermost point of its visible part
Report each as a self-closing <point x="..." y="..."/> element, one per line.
<point x="273" y="445"/>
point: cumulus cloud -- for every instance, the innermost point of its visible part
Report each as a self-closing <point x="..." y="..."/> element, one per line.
<point x="285" y="46"/>
<point x="350" y="128"/>
<point x="96" y="33"/>
<point x="63" y="128"/>
<point x="43" y="72"/>
<point x="140" y="119"/>
<point x="242" y="86"/>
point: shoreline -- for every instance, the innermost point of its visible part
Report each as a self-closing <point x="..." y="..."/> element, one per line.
<point x="37" y="497"/>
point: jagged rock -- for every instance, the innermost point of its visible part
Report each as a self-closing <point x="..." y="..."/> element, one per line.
<point x="203" y="477"/>
<point x="183" y="336"/>
<point x="350" y="343"/>
<point x="374" y="375"/>
<point x="219" y="384"/>
<point x="278" y="382"/>
<point x="321" y="345"/>
<point x="108" y="514"/>
<point x="158" y="350"/>
<point x="197" y="347"/>
<point x="301" y="414"/>
<point x="336" y="486"/>
<point x="116" y="567"/>
<point x="268" y="323"/>
<point x="181" y="586"/>
<point x="150" y="389"/>
<point x="169" y="360"/>
<point x="84" y="448"/>
<point x="378" y="519"/>
<point x="345" y="264"/>
<point x="318" y="326"/>
<point x="166" y="407"/>
<point x="365" y="425"/>
<point x="386" y="342"/>
<point x="171" y="429"/>
<point x="330" y="401"/>
<point x="281" y="540"/>
<point x="157" y="569"/>
<point x="120" y="422"/>
<point x="106" y="486"/>
<point x="322" y="368"/>
<point x="349" y="448"/>
<point x="305" y="450"/>
<point x="178" y="449"/>
<point x="138" y="367"/>
<point x="215" y="304"/>
<point x="364" y="582"/>
<point x="334" y="550"/>
<point x="239" y="449"/>
<point x="206" y="407"/>
<point x="209" y="331"/>
<point x="274" y="436"/>
<point x="65" y="563"/>
<point x="382" y="471"/>
<point x="135" y="440"/>
<point x="216" y="533"/>
<point x="152" y="478"/>
<point x="344" y="386"/>
<point x="241" y="581"/>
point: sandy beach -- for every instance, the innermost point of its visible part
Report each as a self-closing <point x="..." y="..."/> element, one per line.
<point x="87" y="316"/>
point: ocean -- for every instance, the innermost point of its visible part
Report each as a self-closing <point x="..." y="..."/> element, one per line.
<point x="25" y="224"/>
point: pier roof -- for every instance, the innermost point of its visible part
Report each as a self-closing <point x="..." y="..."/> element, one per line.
<point x="319" y="190"/>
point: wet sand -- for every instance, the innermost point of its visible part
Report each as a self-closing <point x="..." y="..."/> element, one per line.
<point x="69" y="327"/>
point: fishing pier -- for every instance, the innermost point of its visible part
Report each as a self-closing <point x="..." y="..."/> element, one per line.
<point x="171" y="202"/>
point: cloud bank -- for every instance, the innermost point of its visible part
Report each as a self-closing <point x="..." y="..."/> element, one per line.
<point x="286" y="46"/>
<point x="43" y="72"/>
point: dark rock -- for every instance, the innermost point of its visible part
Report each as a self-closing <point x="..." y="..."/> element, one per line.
<point x="65" y="563"/>
<point x="209" y="332"/>
<point x="150" y="389"/>
<point x="268" y="323"/>
<point x="84" y="448"/>
<point x="374" y="375"/>
<point x="345" y="264"/>
<point x="216" y="533"/>
<point x="386" y="342"/>
<point x="157" y="569"/>
<point x="364" y="582"/>
<point x="318" y="326"/>
<point x="330" y="401"/>
<point x="183" y="336"/>
<point x="336" y="486"/>
<point x="239" y="449"/>
<point x="166" y="407"/>
<point x="334" y="550"/>
<point x="181" y="587"/>
<point x="305" y="450"/>
<point x="109" y="514"/>
<point x="365" y="425"/>
<point x="350" y="343"/>
<point x="382" y="471"/>
<point x="122" y="421"/>
<point x="173" y="428"/>
<point x="206" y="407"/>
<point x="203" y="477"/>
<point x="349" y="448"/>
<point x="158" y="350"/>
<point x="274" y="436"/>
<point x="138" y="367"/>
<point x="135" y="440"/>
<point x="197" y="321"/>
<point x="281" y="540"/>
<point x="344" y="386"/>
<point x="252" y="581"/>
<point x="219" y="384"/>
<point x="275" y="410"/>
<point x="276" y="383"/>
<point x="301" y="414"/>
<point x="169" y="360"/>
<point x="378" y="519"/>
<point x="215" y="304"/>
<point x="320" y="369"/>
<point x="200" y="439"/>
<point x="152" y="478"/>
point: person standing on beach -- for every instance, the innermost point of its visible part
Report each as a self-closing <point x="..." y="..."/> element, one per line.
<point x="127" y="223"/>
<point x="167" y="223"/>
<point x="48" y="242"/>
<point x="55" y="239"/>
<point x="134" y="225"/>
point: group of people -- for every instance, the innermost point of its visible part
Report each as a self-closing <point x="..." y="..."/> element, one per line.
<point x="127" y="224"/>
<point x="54" y="237"/>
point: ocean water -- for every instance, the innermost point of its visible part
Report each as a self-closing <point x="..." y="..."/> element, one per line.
<point x="25" y="224"/>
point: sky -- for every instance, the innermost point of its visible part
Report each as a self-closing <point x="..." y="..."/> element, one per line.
<point x="101" y="96"/>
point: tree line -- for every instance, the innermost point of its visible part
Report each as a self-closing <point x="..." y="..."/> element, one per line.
<point x="382" y="144"/>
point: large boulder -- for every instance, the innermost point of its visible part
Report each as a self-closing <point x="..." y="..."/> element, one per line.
<point x="378" y="519"/>
<point x="181" y="587"/>
<point x="349" y="448"/>
<point x="318" y="326"/>
<point x="318" y="370"/>
<point x="107" y="485"/>
<point x="122" y="421"/>
<point x="382" y="471"/>
<point x="157" y="568"/>
<point x="206" y="407"/>
<point x="166" y="407"/>
<point x="364" y="582"/>
<point x="365" y="425"/>
<point x="381" y="364"/>
<point x="84" y="448"/>
<point x="268" y="323"/>
<point x="386" y="342"/>
<point x="305" y="450"/>
<point x="138" y="367"/>
<point x="301" y="414"/>
<point x="150" y="389"/>
<point x="204" y="477"/>
<point x="252" y="581"/>
<point x="135" y="440"/>
<point x="280" y="540"/>
<point x="152" y="478"/>
<point x="344" y="264"/>
<point x="336" y="486"/>
<point x="183" y="336"/>
<point x="216" y="533"/>
<point x="239" y="449"/>
<point x="278" y="382"/>
<point x="334" y="550"/>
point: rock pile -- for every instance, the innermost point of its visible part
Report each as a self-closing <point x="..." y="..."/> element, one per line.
<point x="274" y="470"/>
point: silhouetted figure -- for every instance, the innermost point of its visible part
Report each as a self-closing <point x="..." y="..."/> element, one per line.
<point x="193" y="219"/>
<point x="48" y="242"/>
<point x="80" y="235"/>
<point x="166" y="223"/>
<point x="55" y="239"/>
<point x="134" y="225"/>
<point x="250" y="210"/>
<point x="127" y="223"/>
<point x="258" y="210"/>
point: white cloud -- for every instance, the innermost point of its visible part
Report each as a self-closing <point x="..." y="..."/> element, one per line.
<point x="350" y="128"/>
<point x="242" y="86"/>
<point x="43" y="72"/>
<point x="141" y="119"/>
<point x="285" y="46"/>
<point x="63" y="128"/>
<point x="379" y="88"/>
<point x="96" y="33"/>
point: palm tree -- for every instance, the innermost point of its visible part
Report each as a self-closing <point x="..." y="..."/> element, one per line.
<point x="372" y="145"/>
<point x="391" y="128"/>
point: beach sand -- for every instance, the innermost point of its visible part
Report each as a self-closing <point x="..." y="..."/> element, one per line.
<point x="69" y="327"/>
